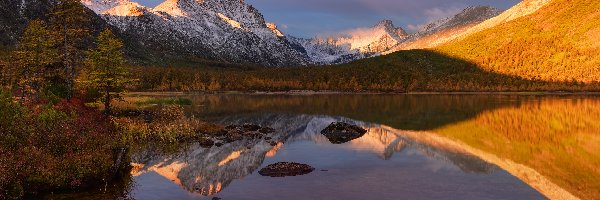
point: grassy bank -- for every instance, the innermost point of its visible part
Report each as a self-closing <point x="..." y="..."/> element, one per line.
<point x="147" y="119"/>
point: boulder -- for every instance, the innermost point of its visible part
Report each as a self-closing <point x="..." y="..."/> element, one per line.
<point x="283" y="169"/>
<point x="339" y="132"/>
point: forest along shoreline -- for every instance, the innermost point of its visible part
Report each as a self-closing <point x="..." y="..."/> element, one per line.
<point x="308" y="92"/>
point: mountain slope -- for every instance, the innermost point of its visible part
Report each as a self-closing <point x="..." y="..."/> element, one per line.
<point x="221" y="30"/>
<point x="470" y="21"/>
<point x="16" y="14"/>
<point x="385" y="38"/>
<point x="558" y="43"/>
<point x="524" y="8"/>
<point x="439" y="31"/>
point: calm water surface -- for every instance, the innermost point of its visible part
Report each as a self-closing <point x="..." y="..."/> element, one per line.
<point x="416" y="147"/>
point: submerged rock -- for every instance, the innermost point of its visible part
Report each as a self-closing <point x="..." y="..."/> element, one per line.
<point x="283" y="169"/>
<point x="339" y="132"/>
<point x="233" y="133"/>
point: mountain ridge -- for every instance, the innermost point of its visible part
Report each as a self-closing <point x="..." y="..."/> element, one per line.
<point x="222" y="30"/>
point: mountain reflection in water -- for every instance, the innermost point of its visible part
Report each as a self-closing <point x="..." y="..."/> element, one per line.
<point x="209" y="171"/>
<point x="417" y="147"/>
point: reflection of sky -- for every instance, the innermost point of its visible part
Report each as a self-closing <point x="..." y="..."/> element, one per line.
<point x="354" y="170"/>
<point x="307" y="18"/>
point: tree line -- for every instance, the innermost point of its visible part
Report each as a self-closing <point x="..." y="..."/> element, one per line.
<point x="400" y="72"/>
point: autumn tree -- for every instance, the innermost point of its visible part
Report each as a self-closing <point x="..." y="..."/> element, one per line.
<point x="107" y="70"/>
<point x="35" y="52"/>
<point x="69" y="19"/>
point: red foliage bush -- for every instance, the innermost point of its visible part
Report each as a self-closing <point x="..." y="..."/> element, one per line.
<point x="54" y="147"/>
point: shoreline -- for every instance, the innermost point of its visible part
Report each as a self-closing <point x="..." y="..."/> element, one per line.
<point x="307" y="92"/>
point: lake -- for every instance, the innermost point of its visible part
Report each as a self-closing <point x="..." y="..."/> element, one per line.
<point x="416" y="147"/>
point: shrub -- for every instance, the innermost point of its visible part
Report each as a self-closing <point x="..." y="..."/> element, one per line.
<point x="54" y="147"/>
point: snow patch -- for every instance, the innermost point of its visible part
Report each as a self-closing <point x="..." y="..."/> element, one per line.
<point x="22" y="7"/>
<point x="230" y="21"/>
<point x="273" y="28"/>
<point x="170" y="7"/>
<point x="101" y="6"/>
<point x="126" y="10"/>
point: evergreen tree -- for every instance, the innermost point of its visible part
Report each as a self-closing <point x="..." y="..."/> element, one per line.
<point x="35" y="52"/>
<point x="69" y="20"/>
<point x="107" y="71"/>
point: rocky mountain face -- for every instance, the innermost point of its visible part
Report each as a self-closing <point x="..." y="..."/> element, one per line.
<point x="468" y="22"/>
<point x="524" y="8"/>
<point x="221" y="30"/>
<point x="437" y="32"/>
<point x="352" y="45"/>
<point x="384" y="37"/>
<point x="14" y="16"/>
<point x="232" y="31"/>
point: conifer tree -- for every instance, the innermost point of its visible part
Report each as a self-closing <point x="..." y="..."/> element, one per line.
<point x="107" y="70"/>
<point x="35" y="52"/>
<point x="69" y="20"/>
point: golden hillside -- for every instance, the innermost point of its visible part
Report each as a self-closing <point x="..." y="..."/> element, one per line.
<point x="558" y="43"/>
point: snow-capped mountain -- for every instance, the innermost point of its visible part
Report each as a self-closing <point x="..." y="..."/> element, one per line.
<point x="468" y="16"/>
<point x="222" y="30"/>
<point x="475" y="19"/>
<point x="379" y="38"/>
<point x="438" y="32"/>
<point x="353" y="44"/>
<point x="324" y="52"/>
<point x="232" y="31"/>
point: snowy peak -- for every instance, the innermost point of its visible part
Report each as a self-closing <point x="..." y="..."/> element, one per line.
<point x="101" y="6"/>
<point x="444" y="30"/>
<point x="470" y="15"/>
<point x="273" y="27"/>
<point x="376" y="39"/>
<point x="353" y="44"/>
<point x="385" y="24"/>
<point x="171" y="7"/>
<point x="222" y="30"/>
<point x="388" y="25"/>
<point x="127" y="10"/>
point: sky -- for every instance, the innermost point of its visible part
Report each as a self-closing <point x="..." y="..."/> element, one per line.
<point x="308" y="18"/>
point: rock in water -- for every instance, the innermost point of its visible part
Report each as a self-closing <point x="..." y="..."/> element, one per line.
<point x="339" y="132"/>
<point x="283" y="169"/>
<point x="206" y="142"/>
